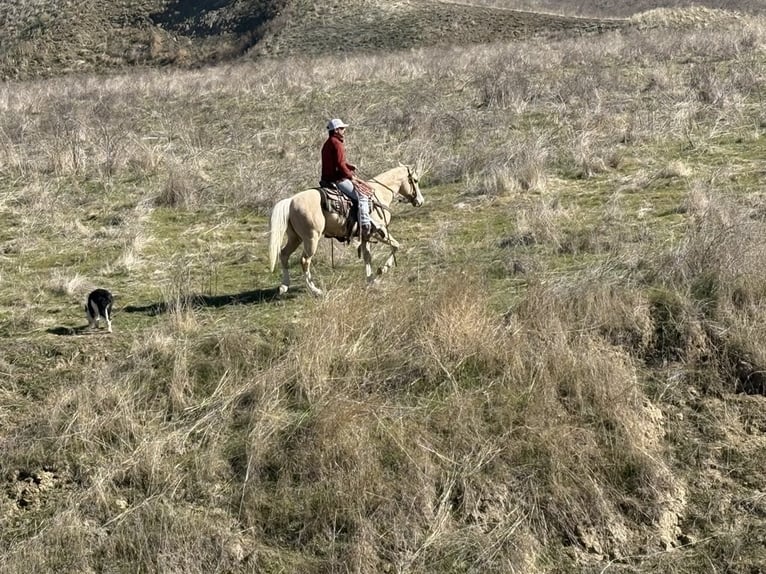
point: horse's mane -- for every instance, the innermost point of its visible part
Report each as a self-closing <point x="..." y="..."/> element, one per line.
<point x="388" y="176"/>
<point x="389" y="172"/>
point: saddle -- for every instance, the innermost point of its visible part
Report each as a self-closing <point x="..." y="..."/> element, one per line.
<point x="333" y="201"/>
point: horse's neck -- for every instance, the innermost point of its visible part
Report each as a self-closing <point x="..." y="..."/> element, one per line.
<point x="388" y="185"/>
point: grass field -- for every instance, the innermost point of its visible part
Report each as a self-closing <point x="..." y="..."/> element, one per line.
<point x="563" y="373"/>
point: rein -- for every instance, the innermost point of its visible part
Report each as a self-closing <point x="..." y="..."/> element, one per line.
<point x="393" y="193"/>
<point x="375" y="200"/>
<point x="367" y="177"/>
<point x="382" y="184"/>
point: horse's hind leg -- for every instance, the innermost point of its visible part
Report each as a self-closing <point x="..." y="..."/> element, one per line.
<point x="293" y="241"/>
<point x="309" y="249"/>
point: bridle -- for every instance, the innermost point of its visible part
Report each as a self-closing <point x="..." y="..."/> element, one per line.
<point x="413" y="186"/>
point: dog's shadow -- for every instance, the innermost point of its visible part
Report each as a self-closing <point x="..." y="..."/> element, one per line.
<point x="256" y="297"/>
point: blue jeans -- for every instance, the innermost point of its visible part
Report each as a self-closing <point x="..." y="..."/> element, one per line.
<point x="346" y="186"/>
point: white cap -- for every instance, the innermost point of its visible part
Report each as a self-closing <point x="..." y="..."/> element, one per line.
<point x="335" y="124"/>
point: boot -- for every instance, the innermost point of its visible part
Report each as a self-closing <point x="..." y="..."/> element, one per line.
<point x="366" y="231"/>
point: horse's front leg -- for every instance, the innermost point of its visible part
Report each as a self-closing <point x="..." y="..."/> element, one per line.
<point x="394" y="244"/>
<point x="367" y="257"/>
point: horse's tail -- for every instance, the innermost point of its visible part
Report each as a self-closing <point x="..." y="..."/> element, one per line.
<point x="277" y="227"/>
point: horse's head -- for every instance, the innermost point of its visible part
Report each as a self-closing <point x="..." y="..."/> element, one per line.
<point x="409" y="188"/>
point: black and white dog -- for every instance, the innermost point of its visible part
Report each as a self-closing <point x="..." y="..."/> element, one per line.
<point x="99" y="306"/>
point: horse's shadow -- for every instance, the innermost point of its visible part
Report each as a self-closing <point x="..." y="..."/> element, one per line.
<point x="70" y="331"/>
<point x="257" y="297"/>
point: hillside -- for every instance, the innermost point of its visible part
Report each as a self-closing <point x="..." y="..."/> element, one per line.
<point x="620" y="8"/>
<point x="42" y="38"/>
<point x="346" y="27"/>
<point x="562" y="373"/>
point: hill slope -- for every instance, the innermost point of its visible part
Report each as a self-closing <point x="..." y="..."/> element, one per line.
<point x="41" y="38"/>
<point x="372" y="26"/>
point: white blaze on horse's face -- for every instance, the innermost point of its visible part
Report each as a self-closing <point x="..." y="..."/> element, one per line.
<point x="415" y="197"/>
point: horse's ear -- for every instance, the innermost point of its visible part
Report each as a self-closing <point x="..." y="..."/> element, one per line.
<point x="418" y="169"/>
<point x="420" y="166"/>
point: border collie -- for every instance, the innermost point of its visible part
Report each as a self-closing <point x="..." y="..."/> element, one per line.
<point x="99" y="306"/>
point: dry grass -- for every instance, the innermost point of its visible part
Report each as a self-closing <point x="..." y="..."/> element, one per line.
<point x="564" y="372"/>
<point x="606" y="9"/>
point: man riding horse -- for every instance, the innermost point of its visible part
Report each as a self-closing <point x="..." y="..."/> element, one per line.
<point x="338" y="173"/>
<point x="305" y="221"/>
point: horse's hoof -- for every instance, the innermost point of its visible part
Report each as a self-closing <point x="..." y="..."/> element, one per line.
<point x="283" y="289"/>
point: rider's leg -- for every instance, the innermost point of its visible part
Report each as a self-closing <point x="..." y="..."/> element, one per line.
<point x="364" y="210"/>
<point x="346" y="187"/>
<point x="361" y="200"/>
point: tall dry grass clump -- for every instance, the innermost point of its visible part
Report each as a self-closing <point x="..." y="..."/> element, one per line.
<point x="145" y="443"/>
<point x="462" y="408"/>
<point x="182" y="189"/>
<point x="710" y="308"/>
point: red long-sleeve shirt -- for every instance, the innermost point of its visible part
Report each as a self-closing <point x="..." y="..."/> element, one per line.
<point x="334" y="164"/>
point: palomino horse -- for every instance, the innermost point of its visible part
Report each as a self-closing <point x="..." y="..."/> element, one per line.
<point x="304" y="220"/>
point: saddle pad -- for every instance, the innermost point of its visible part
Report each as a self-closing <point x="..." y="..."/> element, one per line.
<point x="334" y="201"/>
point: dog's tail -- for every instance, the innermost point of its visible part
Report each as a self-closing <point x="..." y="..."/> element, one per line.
<point x="278" y="225"/>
